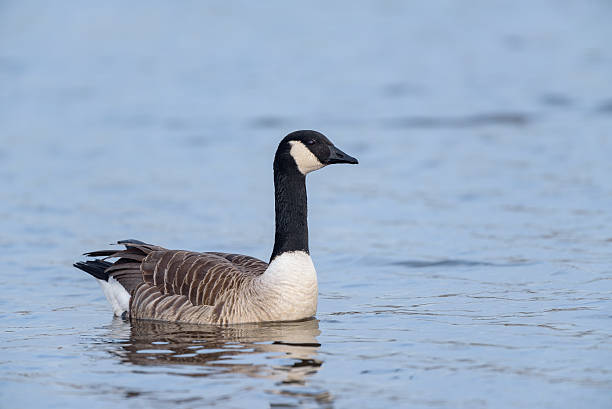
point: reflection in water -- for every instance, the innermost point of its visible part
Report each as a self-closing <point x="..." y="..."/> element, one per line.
<point x="287" y="352"/>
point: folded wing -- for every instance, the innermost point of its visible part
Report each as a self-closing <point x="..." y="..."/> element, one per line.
<point x="179" y="285"/>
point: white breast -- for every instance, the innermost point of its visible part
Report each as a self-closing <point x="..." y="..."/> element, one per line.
<point x="291" y="283"/>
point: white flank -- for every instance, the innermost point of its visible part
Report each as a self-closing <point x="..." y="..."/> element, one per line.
<point x="117" y="296"/>
<point x="291" y="281"/>
<point x="305" y="160"/>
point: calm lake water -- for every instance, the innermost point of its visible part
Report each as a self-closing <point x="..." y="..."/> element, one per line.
<point x="466" y="262"/>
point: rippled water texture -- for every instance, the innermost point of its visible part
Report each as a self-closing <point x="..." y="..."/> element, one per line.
<point x="466" y="262"/>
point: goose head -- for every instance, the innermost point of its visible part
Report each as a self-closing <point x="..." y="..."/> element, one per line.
<point x="307" y="151"/>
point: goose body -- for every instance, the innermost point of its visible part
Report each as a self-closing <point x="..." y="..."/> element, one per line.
<point x="151" y="282"/>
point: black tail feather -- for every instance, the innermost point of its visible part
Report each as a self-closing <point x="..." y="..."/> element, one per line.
<point x="100" y="253"/>
<point x="96" y="268"/>
<point x="130" y="241"/>
<point x="126" y="268"/>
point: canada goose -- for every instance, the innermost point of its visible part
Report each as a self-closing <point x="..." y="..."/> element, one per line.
<point x="151" y="282"/>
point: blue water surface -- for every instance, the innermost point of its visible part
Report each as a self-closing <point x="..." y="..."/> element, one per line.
<point x="466" y="262"/>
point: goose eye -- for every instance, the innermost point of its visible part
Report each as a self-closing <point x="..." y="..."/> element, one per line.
<point x="311" y="142"/>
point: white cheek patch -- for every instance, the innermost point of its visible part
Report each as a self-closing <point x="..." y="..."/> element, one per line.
<point x="306" y="161"/>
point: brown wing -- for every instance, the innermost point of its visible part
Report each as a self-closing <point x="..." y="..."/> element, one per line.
<point x="249" y="264"/>
<point x="201" y="277"/>
<point x="178" y="285"/>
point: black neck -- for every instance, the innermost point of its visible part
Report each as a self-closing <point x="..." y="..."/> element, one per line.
<point x="291" y="211"/>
